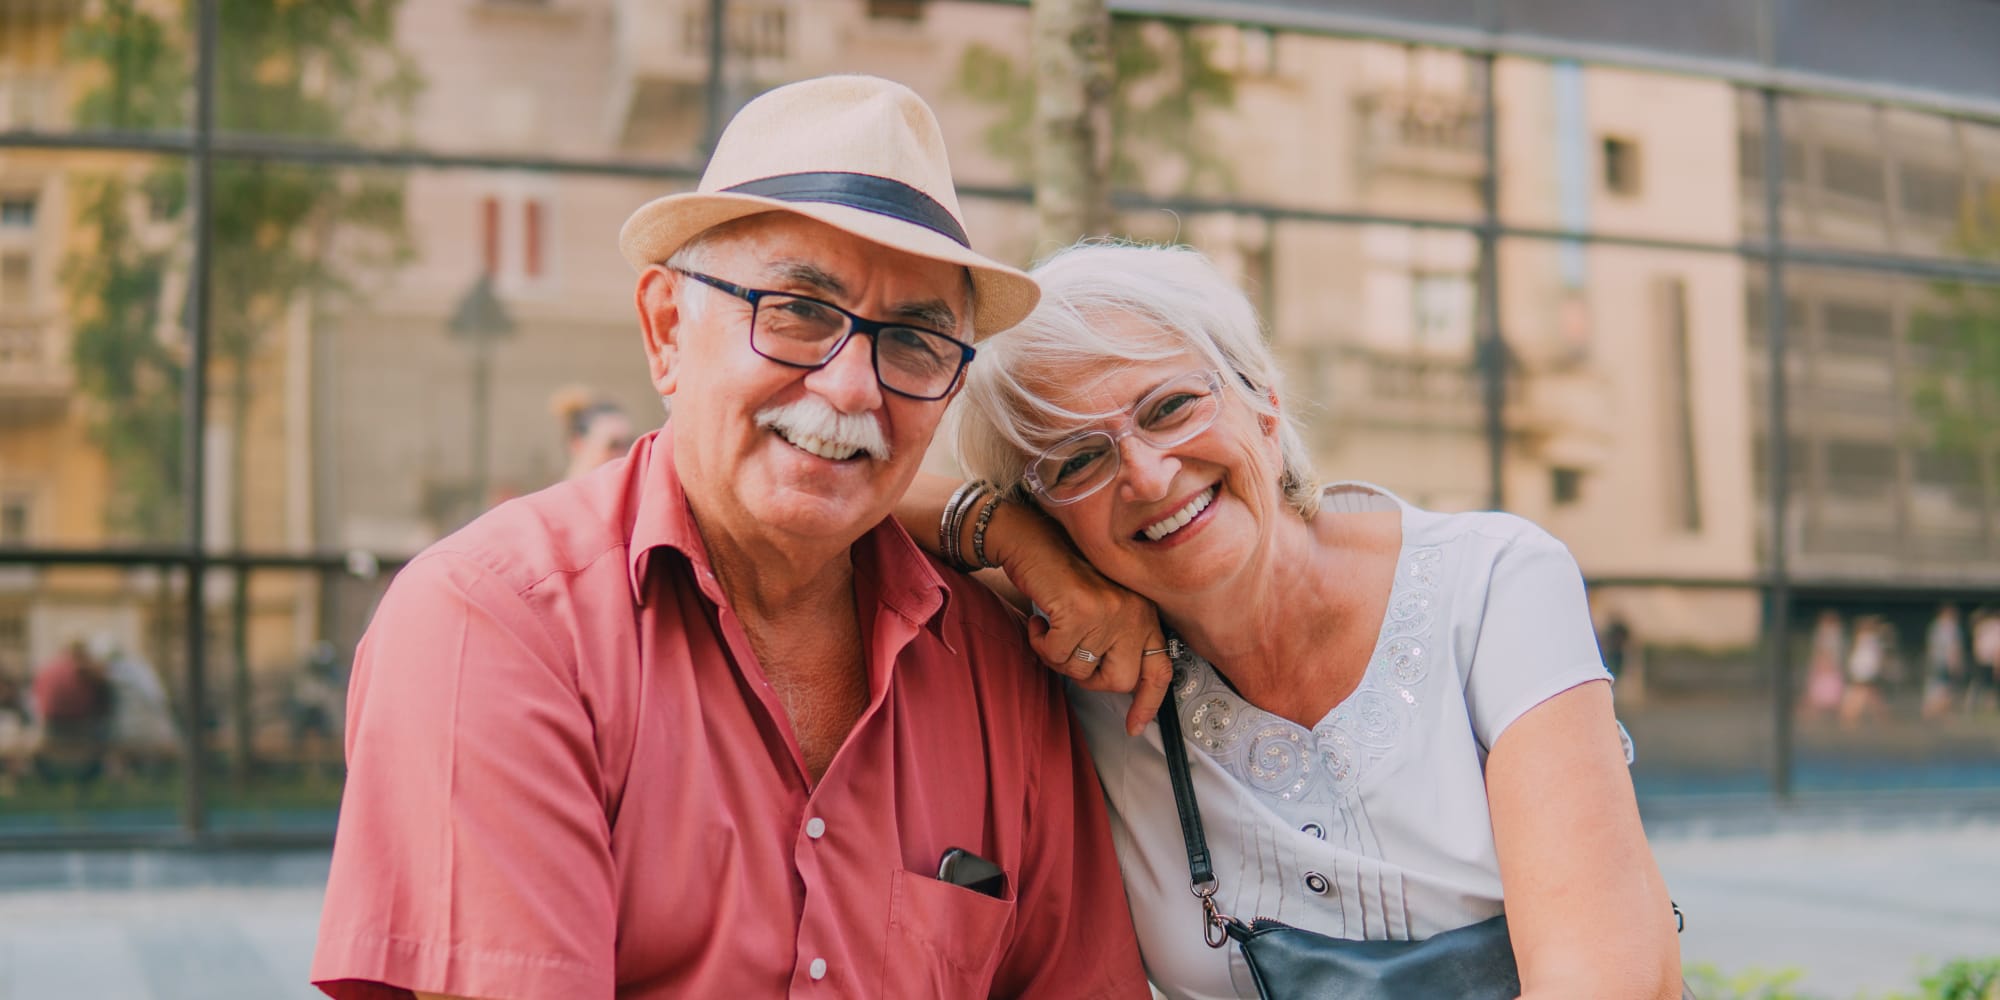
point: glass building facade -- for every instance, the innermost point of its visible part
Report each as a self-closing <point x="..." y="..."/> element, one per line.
<point x="1712" y="291"/>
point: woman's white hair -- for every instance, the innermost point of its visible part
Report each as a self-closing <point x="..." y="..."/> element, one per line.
<point x="1182" y="304"/>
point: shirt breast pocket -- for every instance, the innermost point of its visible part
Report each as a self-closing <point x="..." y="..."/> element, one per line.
<point x="944" y="940"/>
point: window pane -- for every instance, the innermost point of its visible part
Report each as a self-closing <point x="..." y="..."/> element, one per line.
<point x="1892" y="692"/>
<point x="93" y="278"/>
<point x="1211" y="111"/>
<point x="1692" y="685"/>
<point x="1376" y="326"/>
<point x="1889" y="179"/>
<point x="68" y="65"/>
<point x="392" y="348"/>
<point x="1602" y="149"/>
<point x="92" y="694"/>
<point x="280" y="648"/>
<point x="600" y="81"/>
<point x="1628" y="367"/>
<point x="1892" y="387"/>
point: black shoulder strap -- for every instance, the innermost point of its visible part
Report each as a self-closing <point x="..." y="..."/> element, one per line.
<point x="1201" y="874"/>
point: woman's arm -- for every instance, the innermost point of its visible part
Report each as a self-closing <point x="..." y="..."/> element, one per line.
<point x="1084" y="610"/>
<point x="1586" y="906"/>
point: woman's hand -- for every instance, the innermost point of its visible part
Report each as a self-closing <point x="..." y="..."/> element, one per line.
<point x="1096" y="632"/>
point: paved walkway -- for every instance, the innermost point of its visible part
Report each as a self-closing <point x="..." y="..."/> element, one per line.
<point x="1857" y="909"/>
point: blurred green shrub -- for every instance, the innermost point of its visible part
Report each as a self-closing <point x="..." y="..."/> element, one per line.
<point x="1963" y="979"/>
<point x="1709" y="983"/>
<point x="1960" y="979"/>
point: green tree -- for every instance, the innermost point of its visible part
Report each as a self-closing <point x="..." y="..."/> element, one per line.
<point x="1957" y="395"/>
<point x="323" y="70"/>
<point x="1165" y="81"/>
<point x="280" y="237"/>
<point x="1072" y="56"/>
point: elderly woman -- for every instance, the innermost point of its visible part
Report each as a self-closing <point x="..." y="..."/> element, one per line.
<point x="1397" y="720"/>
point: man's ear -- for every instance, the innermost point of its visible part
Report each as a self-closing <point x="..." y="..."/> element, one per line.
<point x="658" y="300"/>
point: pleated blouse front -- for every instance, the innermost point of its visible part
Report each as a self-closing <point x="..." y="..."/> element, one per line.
<point x="1373" y="823"/>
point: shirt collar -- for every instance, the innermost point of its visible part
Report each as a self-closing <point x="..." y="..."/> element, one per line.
<point x="903" y="576"/>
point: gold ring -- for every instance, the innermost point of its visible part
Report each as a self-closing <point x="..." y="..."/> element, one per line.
<point x="1085" y="655"/>
<point x="1153" y="652"/>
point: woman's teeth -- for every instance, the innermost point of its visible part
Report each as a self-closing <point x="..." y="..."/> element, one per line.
<point x="1180" y="517"/>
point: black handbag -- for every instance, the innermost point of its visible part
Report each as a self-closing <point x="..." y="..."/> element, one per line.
<point x="1475" y="962"/>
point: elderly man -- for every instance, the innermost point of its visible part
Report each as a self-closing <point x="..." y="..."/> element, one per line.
<point x="704" y="723"/>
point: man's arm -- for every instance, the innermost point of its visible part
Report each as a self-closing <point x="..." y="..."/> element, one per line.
<point x="473" y="853"/>
<point x="1073" y="934"/>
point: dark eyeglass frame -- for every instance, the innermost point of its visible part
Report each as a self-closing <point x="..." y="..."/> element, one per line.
<point x="855" y="324"/>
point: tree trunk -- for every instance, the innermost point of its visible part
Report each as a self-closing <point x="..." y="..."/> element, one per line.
<point x="1073" y="88"/>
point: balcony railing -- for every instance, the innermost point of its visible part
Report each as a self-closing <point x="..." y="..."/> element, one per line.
<point x="661" y="60"/>
<point x="1437" y="134"/>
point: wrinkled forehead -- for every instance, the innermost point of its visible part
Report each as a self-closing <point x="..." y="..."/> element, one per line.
<point x="791" y="253"/>
<point x="1097" y="392"/>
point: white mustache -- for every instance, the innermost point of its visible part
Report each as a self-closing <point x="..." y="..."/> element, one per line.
<point x="813" y="417"/>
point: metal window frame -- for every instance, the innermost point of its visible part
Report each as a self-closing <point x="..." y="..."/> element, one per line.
<point x="204" y="145"/>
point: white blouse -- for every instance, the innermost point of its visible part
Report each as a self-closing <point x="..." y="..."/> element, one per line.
<point x="1373" y="823"/>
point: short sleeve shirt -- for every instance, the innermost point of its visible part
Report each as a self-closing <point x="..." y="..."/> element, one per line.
<point x="1373" y="823"/>
<point x="569" y="778"/>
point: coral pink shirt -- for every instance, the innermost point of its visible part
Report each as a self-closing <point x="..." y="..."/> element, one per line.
<point x="568" y="777"/>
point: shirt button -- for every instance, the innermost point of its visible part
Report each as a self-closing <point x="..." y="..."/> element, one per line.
<point x="817" y="969"/>
<point x="816" y="828"/>
<point x="1317" y="883"/>
<point x="1315" y="829"/>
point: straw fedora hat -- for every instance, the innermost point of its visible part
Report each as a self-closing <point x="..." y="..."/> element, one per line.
<point x="858" y="153"/>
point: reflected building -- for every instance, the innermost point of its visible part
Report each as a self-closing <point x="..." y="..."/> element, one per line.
<point x="1871" y="495"/>
<point x="56" y="488"/>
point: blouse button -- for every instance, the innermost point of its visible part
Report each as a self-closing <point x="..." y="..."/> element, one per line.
<point x="1315" y="829"/>
<point x="1317" y="883"/>
<point x="817" y="970"/>
<point x="815" y="828"/>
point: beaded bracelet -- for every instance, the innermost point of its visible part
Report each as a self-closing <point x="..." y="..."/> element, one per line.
<point x="953" y="527"/>
<point x="948" y="541"/>
<point x="979" y="530"/>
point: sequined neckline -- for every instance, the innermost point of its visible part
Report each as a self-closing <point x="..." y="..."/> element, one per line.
<point x="1281" y="759"/>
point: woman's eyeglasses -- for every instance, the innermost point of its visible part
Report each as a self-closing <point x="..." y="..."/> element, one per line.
<point x="1081" y="464"/>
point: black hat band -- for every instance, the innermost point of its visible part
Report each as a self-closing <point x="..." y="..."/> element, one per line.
<point x="866" y="192"/>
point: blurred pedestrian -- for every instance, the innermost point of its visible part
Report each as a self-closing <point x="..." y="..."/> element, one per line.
<point x="17" y="731"/>
<point x="1944" y="662"/>
<point x="317" y="711"/>
<point x="595" y="429"/>
<point x="1614" y="644"/>
<point x="1824" y="682"/>
<point x="1865" y="661"/>
<point x="141" y="731"/>
<point x="1982" y="688"/>
<point x="73" y="704"/>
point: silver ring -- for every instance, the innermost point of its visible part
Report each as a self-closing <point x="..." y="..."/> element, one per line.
<point x="1154" y="652"/>
<point x="1084" y="654"/>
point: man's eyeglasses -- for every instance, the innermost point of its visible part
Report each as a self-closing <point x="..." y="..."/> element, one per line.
<point x="806" y="333"/>
<point x="1082" y="464"/>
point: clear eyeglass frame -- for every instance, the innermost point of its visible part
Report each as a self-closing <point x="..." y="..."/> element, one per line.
<point x="1044" y="476"/>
